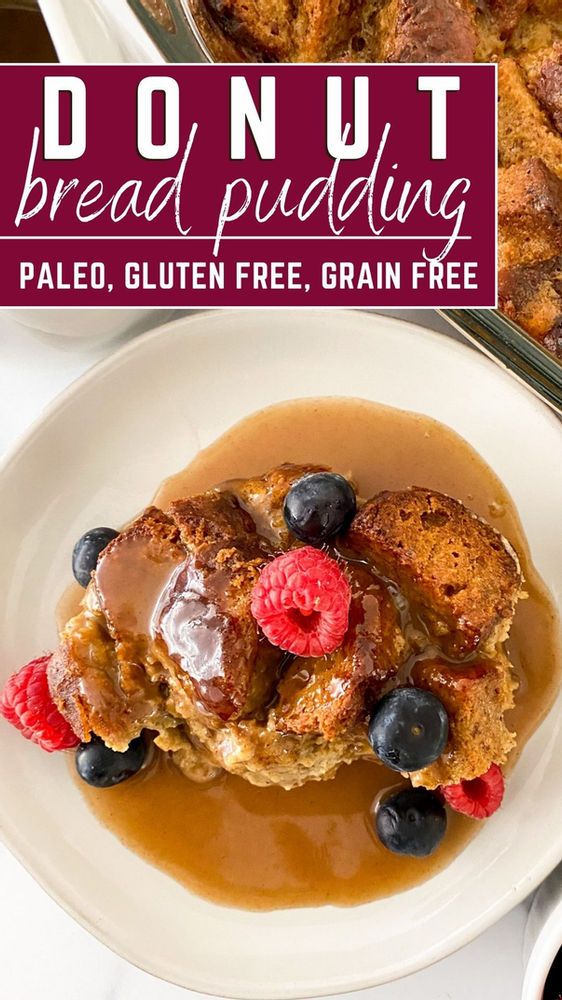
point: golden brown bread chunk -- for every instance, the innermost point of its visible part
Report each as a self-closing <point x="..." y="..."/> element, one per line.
<point x="132" y="571"/>
<point x="263" y="498"/>
<point x="253" y="26"/>
<point x="322" y="28"/>
<point x="276" y="30"/>
<point x="334" y="692"/>
<point x="476" y="695"/>
<point x="523" y="128"/>
<point x="98" y="674"/>
<point x="427" y="31"/>
<point x="185" y="577"/>
<point x="205" y="619"/>
<point x="98" y="694"/>
<point x="529" y="213"/>
<point x="455" y="569"/>
<point x="532" y="295"/>
<point x="544" y="78"/>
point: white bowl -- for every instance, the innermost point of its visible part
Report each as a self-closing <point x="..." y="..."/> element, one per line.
<point x="96" y="457"/>
<point x="543" y="936"/>
<point x="91" y="325"/>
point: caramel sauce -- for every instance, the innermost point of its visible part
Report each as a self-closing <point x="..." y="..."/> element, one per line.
<point x="263" y="848"/>
<point x="132" y="587"/>
<point x="24" y="37"/>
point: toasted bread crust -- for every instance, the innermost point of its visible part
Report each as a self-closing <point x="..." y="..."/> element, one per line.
<point x="532" y="295"/>
<point x="94" y="693"/>
<point x="460" y="573"/>
<point x="524" y="129"/>
<point x="476" y="696"/>
<point x="427" y="31"/>
<point x="263" y="498"/>
<point x="529" y="213"/>
<point x="544" y="78"/>
<point x="205" y="550"/>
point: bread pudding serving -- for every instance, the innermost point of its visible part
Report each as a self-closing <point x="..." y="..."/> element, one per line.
<point x="523" y="36"/>
<point x="314" y="678"/>
<point x="173" y="638"/>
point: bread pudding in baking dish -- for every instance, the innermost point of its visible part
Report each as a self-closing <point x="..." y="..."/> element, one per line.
<point x="523" y="36"/>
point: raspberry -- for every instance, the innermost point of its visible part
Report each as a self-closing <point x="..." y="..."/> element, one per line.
<point x="478" y="798"/>
<point x="301" y="601"/>
<point x="26" y="703"/>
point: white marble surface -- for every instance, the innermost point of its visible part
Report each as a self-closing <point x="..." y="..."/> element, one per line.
<point x="43" y="953"/>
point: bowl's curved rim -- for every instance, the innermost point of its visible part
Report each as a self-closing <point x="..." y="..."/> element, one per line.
<point x="46" y="878"/>
<point x="95" y="37"/>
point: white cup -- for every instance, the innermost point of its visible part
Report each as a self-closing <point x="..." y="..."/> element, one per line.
<point x="543" y="936"/>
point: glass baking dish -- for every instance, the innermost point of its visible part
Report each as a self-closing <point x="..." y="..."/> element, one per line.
<point x="512" y="348"/>
<point x="172" y="27"/>
<point x="180" y="37"/>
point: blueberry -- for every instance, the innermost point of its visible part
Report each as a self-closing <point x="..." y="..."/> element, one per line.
<point x="408" y="729"/>
<point x="412" y="822"/>
<point x="319" y="506"/>
<point x="87" y="551"/>
<point x="101" y="767"/>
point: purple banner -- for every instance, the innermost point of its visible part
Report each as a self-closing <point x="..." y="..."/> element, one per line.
<point x="248" y="185"/>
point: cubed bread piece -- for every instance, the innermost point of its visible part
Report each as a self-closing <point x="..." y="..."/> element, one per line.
<point x="131" y="573"/>
<point x="214" y="521"/>
<point x="205" y="620"/>
<point x="307" y="31"/>
<point x="529" y="213"/>
<point x="460" y="574"/>
<point x="524" y="130"/>
<point x="476" y="696"/>
<point x="263" y="498"/>
<point x="322" y="28"/>
<point x="182" y="578"/>
<point x="332" y="693"/>
<point x="531" y="294"/>
<point x="544" y="77"/>
<point x="263" y="28"/>
<point x="98" y="693"/>
<point x="427" y="31"/>
<point x="98" y="675"/>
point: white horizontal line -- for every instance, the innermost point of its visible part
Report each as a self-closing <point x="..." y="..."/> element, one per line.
<point x="185" y="239"/>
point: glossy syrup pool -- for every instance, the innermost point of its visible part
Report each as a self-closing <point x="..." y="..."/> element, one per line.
<point x="263" y="848"/>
